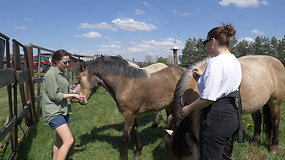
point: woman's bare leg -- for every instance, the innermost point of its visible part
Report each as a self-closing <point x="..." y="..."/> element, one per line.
<point x="56" y="146"/>
<point x="64" y="134"/>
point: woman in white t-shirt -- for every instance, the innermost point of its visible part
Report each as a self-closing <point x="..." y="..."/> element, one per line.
<point x="218" y="86"/>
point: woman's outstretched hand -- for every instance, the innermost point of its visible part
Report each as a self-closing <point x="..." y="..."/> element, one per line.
<point x="76" y="98"/>
<point x="79" y="96"/>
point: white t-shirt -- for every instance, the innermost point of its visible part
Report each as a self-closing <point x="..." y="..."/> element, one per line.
<point x="222" y="76"/>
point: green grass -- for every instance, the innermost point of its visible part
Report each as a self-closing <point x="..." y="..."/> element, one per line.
<point x="97" y="129"/>
<point x="4" y="115"/>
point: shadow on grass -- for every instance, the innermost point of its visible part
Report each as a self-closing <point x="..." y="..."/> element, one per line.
<point x="148" y="136"/>
<point x="25" y="147"/>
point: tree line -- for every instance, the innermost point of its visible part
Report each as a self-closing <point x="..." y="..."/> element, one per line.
<point x="194" y="50"/>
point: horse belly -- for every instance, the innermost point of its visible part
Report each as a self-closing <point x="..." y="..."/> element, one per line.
<point x="156" y="106"/>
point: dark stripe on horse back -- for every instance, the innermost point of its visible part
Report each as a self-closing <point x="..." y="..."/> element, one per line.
<point x="115" y="66"/>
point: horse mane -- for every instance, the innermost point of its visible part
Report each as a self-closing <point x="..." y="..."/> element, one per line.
<point x="183" y="125"/>
<point x="115" y="66"/>
<point x="180" y="89"/>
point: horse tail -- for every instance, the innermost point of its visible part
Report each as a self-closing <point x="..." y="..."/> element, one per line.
<point x="267" y="121"/>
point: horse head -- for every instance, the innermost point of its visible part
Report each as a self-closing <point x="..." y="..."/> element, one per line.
<point x="89" y="83"/>
<point x="183" y="142"/>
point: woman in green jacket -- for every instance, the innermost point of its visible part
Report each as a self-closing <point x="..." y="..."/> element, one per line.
<point x="56" y="104"/>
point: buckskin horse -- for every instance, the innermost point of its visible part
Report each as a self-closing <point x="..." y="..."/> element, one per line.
<point x="154" y="68"/>
<point x="135" y="91"/>
<point x="262" y="87"/>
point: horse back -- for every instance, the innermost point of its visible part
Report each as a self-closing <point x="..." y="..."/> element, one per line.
<point x="157" y="91"/>
<point x="155" y="67"/>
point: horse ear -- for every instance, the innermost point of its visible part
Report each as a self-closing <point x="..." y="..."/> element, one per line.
<point x="82" y="65"/>
<point x="169" y="132"/>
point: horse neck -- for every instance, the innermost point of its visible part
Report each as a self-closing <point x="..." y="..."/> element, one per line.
<point x="110" y="83"/>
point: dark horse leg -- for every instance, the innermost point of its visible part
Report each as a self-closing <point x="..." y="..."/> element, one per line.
<point x="257" y="119"/>
<point x="129" y="128"/>
<point x="155" y="122"/>
<point x="135" y="134"/>
<point x="274" y="121"/>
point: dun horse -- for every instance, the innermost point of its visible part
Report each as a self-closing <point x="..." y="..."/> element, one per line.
<point x="262" y="87"/>
<point x="135" y="91"/>
<point x="154" y="68"/>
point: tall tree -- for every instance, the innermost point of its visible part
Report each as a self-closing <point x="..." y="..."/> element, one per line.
<point x="243" y="48"/>
<point x="281" y="50"/>
<point x="193" y="52"/>
<point x="162" y="60"/>
<point x="119" y="56"/>
<point x="261" y="46"/>
<point x="274" y="44"/>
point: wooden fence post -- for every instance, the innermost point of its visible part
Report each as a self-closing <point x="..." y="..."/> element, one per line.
<point x="30" y="83"/>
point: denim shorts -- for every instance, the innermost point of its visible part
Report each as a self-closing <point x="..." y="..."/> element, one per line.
<point x="58" y="121"/>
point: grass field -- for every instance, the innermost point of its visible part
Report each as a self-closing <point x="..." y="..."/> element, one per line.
<point x="97" y="129"/>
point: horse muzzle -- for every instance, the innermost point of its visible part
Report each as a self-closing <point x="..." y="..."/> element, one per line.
<point x="83" y="101"/>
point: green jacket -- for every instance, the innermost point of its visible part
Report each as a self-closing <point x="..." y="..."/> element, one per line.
<point x="55" y="85"/>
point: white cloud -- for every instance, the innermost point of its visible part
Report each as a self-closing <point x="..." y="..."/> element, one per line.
<point x="132" y="25"/>
<point x="255" y="31"/>
<point x="244" y="3"/>
<point x="114" y="45"/>
<point x="103" y="26"/>
<point x="140" y="50"/>
<point x="137" y="50"/>
<point x="139" y="11"/>
<point x="249" y="39"/>
<point x="155" y="47"/>
<point x="113" y="49"/>
<point x="20" y="27"/>
<point x="145" y="3"/>
<point x="28" y="19"/>
<point x="89" y="35"/>
<point x="179" y="13"/>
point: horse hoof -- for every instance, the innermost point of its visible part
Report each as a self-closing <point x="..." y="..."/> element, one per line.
<point x="137" y="154"/>
<point x="274" y="149"/>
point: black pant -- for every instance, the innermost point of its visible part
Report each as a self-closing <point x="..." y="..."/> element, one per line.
<point x="219" y="123"/>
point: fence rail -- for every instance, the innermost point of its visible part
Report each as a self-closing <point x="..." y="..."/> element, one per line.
<point x="17" y="76"/>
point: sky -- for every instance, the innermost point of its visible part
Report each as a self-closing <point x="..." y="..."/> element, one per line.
<point x="134" y="29"/>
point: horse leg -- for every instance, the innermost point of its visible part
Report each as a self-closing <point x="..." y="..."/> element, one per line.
<point x="126" y="138"/>
<point x="256" y="117"/>
<point x="169" y="116"/>
<point x="135" y="134"/>
<point x="275" y="120"/>
<point x="155" y="122"/>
